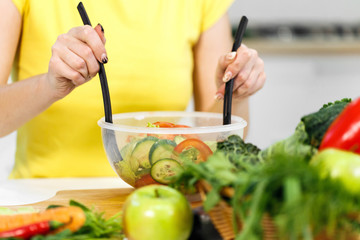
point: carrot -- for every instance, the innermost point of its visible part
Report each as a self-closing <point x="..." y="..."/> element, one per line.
<point x="73" y="218"/>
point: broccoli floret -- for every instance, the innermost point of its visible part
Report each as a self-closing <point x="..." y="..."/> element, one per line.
<point x="239" y="151"/>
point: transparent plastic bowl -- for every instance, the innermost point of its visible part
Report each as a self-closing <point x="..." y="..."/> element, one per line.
<point x="130" y="144"/>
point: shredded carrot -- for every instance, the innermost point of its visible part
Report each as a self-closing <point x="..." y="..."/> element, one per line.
<point x="73" y="218"/>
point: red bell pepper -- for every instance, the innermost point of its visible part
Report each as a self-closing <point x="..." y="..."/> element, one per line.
<point x="28" y="231"/>
<point x="344" y="132"/>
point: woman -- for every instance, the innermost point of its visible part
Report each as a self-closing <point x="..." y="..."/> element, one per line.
<point x="158" y="54"/>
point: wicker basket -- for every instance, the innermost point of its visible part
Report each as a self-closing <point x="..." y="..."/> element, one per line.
<point x="222" y="214"/>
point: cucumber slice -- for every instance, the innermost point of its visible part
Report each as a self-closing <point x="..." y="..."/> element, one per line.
<point x="127" y="150"/>
<point x="164" y="148"/>
<point x="164" y="169"/>
<point x="140" y="153"/>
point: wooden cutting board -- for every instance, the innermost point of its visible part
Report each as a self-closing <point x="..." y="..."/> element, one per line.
<point x="109" y="201"/>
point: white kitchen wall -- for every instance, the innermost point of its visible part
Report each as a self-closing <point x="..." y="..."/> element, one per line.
<point x="296" y="86"/>
<point x="295" y="11"/>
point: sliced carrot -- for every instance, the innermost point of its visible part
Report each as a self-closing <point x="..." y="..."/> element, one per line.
<point x="73" y="218"/>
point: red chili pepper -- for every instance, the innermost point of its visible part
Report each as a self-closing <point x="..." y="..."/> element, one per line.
<point x="344" y="132"/>
<point x="28" y="231"/>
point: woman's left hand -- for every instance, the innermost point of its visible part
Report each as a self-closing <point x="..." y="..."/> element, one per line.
<point x="247" y="69"/>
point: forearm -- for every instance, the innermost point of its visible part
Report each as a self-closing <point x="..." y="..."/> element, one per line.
<point x="22" y="101"/>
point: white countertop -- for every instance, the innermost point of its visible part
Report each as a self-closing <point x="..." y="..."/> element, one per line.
<point x="28" y="191"/>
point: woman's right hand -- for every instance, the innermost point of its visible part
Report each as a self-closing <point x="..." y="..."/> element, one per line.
<point x="74" y="59"/>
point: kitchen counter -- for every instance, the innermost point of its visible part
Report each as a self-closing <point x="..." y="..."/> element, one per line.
<point x="28" y="191"/>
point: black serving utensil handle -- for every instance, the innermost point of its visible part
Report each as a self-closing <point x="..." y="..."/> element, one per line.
<point x="110" y="144"/>
<point x="102" y="74"/>
<point x="229" y="86"/>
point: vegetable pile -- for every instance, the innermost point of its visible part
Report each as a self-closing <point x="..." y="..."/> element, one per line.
<point x="308" y="183"/>
<point x="75" y="222"/>
<point x="151" y="159"/>
<point x="301" y="182"/>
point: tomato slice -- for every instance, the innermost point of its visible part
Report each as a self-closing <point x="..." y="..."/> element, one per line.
<point x="164" y="124"/>
<point x="145" y="180"/>
<point x="181" y="126"/>
<point x="204" y="150"/>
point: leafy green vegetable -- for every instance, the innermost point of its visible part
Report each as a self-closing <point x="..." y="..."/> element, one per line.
<point x="237" y="150"/>
<point x="342" y="101"/>
<point x="317" y="123"/>
<point x="295" y="145"/>
<point x="307" y="136"/>
<point x="286" y="187"/>
<point x="295" y="196"/>
<point x="150" y="125"/>
<point x="218" y="173"/>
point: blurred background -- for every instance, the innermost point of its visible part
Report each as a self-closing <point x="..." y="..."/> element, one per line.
<point x="311" y="51"/>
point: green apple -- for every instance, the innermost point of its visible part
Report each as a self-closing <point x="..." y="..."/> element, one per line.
<point x="157" y="212"/>
<point x="339" y="164"/>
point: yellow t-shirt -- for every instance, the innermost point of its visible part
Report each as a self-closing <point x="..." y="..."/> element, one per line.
<point x="149" y="46"/>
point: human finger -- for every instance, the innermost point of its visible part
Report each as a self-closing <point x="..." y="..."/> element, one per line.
<point x="89" y="36"/>
<point x="86" y="54"/>
<point x="251" y="70"/>
<point x="246" y="85"/>
<point x="100" y="31"/>
<point x="77" y="55"/>
<point x="244" y="57"/>
<point x="259" y="84"/>
<point x="254" y="83"/>
<point x="63" y="71"/>
<point x="224" y="61"/>
<point x="71" y="59"/>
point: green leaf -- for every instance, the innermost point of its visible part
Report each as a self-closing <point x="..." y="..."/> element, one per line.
<point x="77" y="204"/>
<point x="212" y="198"/>
<point x="292" y="191"/>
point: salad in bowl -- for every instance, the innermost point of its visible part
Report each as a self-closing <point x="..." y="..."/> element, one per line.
<point x="147" y="147"/>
